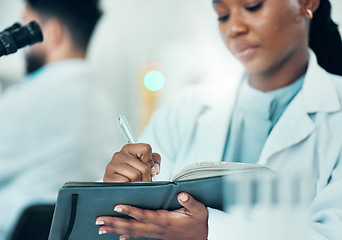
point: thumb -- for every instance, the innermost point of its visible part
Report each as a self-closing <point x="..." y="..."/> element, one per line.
<point x="194" y="207"/>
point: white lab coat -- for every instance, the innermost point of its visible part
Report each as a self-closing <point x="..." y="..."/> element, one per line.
<point x="52" y="130"/>
<point x="307" y="137"/>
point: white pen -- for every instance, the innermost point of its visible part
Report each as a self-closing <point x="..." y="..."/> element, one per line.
<point x="126" y="131"/>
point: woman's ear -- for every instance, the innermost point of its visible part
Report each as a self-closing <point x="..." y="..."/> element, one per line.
<point x="309" y="5"/>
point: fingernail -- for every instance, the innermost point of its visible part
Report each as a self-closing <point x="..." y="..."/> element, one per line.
<point x="99" y="222"/>
<point x="102" y="232"/>
<point x="157" y="167"/>
<point x="117" y="209"/>
<point x="184" y="197"/>
<point x="122" y="238"/>
<point x="153" y="170"/>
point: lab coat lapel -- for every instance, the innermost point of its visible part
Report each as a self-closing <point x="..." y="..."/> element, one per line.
<point x="318" y="94"/>
<point x="213" y="122"/>
<point x="294" y="126"/>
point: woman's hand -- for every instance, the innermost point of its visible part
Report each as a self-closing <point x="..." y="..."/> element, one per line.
<point x="135" y="162"/>
<point x="189" y="222"/>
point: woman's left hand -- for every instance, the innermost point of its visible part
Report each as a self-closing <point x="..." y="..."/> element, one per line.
<point x="189" y="222"/>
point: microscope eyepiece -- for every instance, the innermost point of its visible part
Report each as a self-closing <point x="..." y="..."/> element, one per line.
<point x="17" y="36"/>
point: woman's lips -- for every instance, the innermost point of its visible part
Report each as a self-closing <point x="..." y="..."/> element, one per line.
<point x="244" y="51"/>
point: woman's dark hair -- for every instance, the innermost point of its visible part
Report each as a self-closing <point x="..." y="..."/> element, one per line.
<point x="79" y="16"/>
<point x="325" y="39"/>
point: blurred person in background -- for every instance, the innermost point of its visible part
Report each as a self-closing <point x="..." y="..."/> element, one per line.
<point x="285" y="113"/>
<point x="44" y="122"/>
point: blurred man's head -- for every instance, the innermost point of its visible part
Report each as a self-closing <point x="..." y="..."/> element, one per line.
<point x="67" y="26"/>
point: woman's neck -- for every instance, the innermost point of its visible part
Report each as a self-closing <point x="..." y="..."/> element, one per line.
<point x="283" y="74"/>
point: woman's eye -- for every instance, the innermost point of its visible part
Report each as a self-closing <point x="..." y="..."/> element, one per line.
<point x="223" y="18"/>
<point x="254" y="8"/>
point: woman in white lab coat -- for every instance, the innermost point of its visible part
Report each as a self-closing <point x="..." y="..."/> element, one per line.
<point x="285" y="112"/>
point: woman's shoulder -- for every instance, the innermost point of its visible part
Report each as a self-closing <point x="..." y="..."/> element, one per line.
<point x="337" y="81"/>
<point x="335" y="115"/>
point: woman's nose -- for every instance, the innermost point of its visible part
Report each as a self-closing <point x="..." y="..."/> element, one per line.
<point x="236" y="26"/>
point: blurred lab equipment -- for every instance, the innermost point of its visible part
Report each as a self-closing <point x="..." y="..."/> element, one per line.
<point x="265" y="207"/>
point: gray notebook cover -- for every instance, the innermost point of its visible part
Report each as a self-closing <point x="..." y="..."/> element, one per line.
<point x="80" y="203"/>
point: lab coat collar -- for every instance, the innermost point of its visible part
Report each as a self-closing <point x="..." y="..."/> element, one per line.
<point x="318" y="90"/>
<point x="63" y="68"/>
<point x="317" y="95"/>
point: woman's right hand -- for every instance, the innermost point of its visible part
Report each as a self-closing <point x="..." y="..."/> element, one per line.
<point x="135" y="162"/>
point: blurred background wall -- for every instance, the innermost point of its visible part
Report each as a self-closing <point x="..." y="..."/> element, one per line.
<point x="179" y="38"/>
<point x="176" y="37"/>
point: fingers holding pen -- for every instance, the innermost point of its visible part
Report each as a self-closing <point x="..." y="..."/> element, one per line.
<point x="127" y="168"/>
<point x="135" y="162"/>
<point x="144" y="152"/>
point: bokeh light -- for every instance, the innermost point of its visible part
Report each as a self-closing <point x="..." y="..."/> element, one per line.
<point x="154" y="80"/>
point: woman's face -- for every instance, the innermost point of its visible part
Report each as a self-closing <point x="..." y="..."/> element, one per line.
<point x="262" y="34"/>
